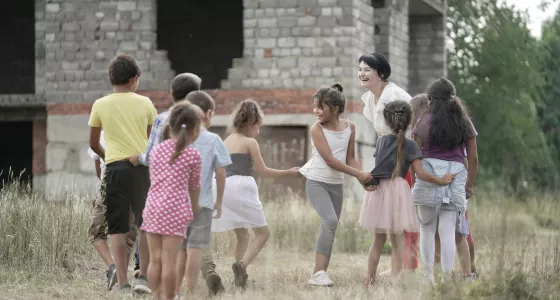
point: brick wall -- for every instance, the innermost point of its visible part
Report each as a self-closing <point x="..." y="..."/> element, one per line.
<point x="272" y="101"/>
<point x="81" y="37"/>
<point x="39" y="147"/>
<point x="302" y="44"/>
<point x="398" y="41"/>
<point x="427" y="57"/>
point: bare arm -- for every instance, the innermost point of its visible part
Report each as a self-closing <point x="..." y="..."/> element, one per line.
<point x="220" y="186"/>
<point x="194" y="193"/>
<point x="260" y="168"/>
<point x="351" y="156"/>
<point x="323" y="148"/>
<point x="472" y="165"/>
<point x="94" y="144"/>
<point x="422" y="174"/>
<point x="98" y="168"/>
<point x="149" y="131"/>
<point x="418" y="141"/>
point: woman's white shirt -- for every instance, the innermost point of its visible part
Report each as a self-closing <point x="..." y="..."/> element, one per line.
<point x="374" y="112"/>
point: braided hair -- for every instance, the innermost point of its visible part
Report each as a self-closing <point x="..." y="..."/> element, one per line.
<point x="398" y="115"/>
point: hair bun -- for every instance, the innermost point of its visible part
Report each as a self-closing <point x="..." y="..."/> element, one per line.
<point x="338" y="86"/>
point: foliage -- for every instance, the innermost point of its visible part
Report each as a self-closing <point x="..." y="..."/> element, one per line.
<point x="547" y="100"/>
<point x="492" y="62"/>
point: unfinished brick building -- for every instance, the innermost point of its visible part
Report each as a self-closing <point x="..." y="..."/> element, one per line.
<point x="55" y="54"/>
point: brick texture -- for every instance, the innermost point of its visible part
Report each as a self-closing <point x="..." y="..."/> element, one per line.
<point x="39" y="146"/>
<point x="272" y="101"/>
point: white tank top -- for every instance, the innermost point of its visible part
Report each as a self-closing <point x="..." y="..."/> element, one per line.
<point x="317" y="169"/>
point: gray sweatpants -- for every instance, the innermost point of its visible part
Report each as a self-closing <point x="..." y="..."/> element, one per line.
<point x="326" y="199"/>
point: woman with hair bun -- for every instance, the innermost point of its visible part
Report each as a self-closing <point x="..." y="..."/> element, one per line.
<point x="374" y="71"/>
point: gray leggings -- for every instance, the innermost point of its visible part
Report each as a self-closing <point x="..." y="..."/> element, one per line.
<point x="326" y="199"/>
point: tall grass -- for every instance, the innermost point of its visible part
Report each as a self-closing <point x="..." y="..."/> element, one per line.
<point x="36" y="234"/>
<point x="517" y="254"/>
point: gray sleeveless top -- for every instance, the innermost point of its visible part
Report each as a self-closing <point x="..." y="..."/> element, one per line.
<point x="241" y="164"/>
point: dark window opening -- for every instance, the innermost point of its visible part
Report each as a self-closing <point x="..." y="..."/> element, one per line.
<point x="201" y="37"/>
<point x="16" y="154"/>
<point x="378" y="3"/>
<point x="17" y="53"/>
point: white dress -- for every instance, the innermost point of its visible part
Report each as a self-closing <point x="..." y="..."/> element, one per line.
<point x="241" y="206"/>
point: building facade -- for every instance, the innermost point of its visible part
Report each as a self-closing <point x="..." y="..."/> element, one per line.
<point x="274" y="51"/>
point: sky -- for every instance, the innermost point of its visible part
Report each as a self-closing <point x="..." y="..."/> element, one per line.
<point x="537" y="16"/>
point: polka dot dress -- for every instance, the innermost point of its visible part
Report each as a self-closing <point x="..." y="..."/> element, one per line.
<point x="168" y="208"/>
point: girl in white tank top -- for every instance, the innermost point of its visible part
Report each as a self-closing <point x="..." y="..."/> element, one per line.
<point x="332" y="142"/>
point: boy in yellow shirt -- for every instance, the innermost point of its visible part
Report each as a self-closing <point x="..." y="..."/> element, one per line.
<point x="126" y="119"/>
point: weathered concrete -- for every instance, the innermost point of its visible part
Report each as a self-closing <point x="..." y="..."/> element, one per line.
<point x="288" y="46"/>
<point x="316" y="43"/>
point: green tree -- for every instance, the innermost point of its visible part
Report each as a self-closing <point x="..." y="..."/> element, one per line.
<point x="493" y="65"/>
<point x="548" y="100"/>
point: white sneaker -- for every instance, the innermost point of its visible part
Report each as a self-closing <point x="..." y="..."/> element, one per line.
<point x="321" y="278"/>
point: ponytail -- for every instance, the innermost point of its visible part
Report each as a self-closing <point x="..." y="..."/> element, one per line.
<point x="400" y="154"/>
<point x="181" y="143"/>
<point x="184" y="124"/>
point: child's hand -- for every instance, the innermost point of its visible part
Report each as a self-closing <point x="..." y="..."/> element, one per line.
<point x="218" y="209"/>
<point x="196" y="208"/>
<point x="134" y="160"/>
<point x="293" y="171"/>
<point x="468" y="192"/>
<point x="371" y="188"/>
<point x="447" y="179"/>
<point x="364" y="177"/>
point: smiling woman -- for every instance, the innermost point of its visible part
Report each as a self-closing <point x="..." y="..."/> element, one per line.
<point x="374" y="71"/>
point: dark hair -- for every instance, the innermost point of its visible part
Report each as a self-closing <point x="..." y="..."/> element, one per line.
<point x="398" y="115"/>
<point x="184" y="119"/>
<point x="246" y="113"/>
<point x="122" y="68"/>
<point x="332" y="96"/>
<point x="379" y="63"/>
<point x="183" y="84"/>
<point x="202" y="100"/>
<point x="451" y="124"/>
<point x="420" y="105"/>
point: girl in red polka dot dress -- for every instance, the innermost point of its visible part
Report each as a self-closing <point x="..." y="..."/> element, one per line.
<point x="173" y="196"/>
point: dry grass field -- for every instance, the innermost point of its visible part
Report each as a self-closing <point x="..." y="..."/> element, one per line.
<point x="45" y="254"/>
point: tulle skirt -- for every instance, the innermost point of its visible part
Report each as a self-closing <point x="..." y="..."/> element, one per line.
<point x="389" y="209"/>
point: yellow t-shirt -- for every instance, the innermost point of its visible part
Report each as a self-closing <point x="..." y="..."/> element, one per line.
<point x="125" y="118"/>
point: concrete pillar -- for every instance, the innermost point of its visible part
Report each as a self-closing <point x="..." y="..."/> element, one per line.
<point x="427" y="57"/>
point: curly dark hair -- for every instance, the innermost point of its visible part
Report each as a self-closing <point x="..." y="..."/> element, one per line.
<point x="398" y="115"/>
<point x="122" y="68"/>
<point x="451" y="125"/>
<point x="332" y="96"/>
<point x="246" y="113"/>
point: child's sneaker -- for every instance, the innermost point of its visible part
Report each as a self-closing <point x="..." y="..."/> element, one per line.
<point x="136" y="272"/>
<point x="124" y="290"/>
<point x="141" y="285"/>
<point x="111" y="277"/>
<point x="214" y="283"/>
<point x="321" y="278"/>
